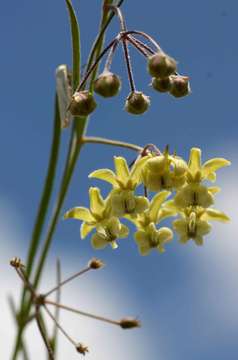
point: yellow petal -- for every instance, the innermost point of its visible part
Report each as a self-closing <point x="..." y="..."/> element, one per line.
<point x="165" y="235"/>
<point x="79" y="213"/>
<point x="213" y="214"/>
<point x="214" y="189"/>
<point x="136" y="169"/>
<point x="194" y="162"/>
<point x="156" y="203"/>
<point x="99" y="241"/>
<point x="104" y="174"/>
<point x="85" y="229"/>
<point x="97" y="205"/>
<point x="124" y="232"/>
<point x="121" y="168"/>
<point x="213" y="165"/>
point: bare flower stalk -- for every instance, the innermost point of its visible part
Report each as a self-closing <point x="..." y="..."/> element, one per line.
<point x="66" y="281"/>
<point x="99" y="140"/>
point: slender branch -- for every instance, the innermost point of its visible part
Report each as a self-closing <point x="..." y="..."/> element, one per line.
<point x="99" y="40"/>
<point x="89" y="72"/>
<point x="59" y="326"/>
<point x="119" y="15"/>
<point x="43" y="335"/>
<point x="128" y="64"/>
<point x="139" y="45"/>
<point x="67" y="280"/>
<point x="108" y="62"/>
<point x="146" y="36"/>
<point x="99" y="140"/>
<point x="57" y="310"/>
<point x="79" y="312"/>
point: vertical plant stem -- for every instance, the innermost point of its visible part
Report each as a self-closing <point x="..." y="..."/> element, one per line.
<point x="41" y="216"/>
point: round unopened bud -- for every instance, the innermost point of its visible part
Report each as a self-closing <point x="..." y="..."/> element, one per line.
<point x="137" y="103"/>
<point x="180" y="86"/>
<point x="95" y="264"/>
<point x="107" y="84"/>
<point x="129" y="323"/>
<point x="160" y="65"/>
<point x="82" y="349"/>
<point x="161" y="85"/>
<point x="82" y="103"/>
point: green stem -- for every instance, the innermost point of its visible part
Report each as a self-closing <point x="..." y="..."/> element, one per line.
<point x="47" y="191"/>
<point x="40" y="219"/>
<point x="99" y="140"/>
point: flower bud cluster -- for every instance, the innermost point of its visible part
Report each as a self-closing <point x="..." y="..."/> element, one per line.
<point x="161" y="67"/>
<point x="166" y="175"/>
<point x="163" y="70"/>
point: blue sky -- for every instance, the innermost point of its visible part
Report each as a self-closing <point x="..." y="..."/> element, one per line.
<point x="186" y="297"/>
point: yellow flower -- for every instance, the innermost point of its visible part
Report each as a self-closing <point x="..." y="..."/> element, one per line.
<point x="198" y="171"/>
<point x="108" y="228"/>
<point x="164" y="171"/>
<point x="125" y="202"/>
<point x="194" y="194"/>
<point x="194" y="223"/>
<point x="151" y="238"/>
<point x="123" y="178"/>
<point x="107" y="233"/>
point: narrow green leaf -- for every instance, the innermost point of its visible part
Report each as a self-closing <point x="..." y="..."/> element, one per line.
<point x="75" y="34"/>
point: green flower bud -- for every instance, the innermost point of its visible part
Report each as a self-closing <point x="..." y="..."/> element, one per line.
<point x="137" y="103"/>
<point x="161" y="65"/>
<point x="107" y="84"/>
<point x="161" y="85"/>
<point x="180" y="86"/>
<point x="82" y="103"/>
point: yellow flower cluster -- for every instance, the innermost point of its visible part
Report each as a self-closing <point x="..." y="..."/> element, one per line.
<point x="166" y="175"/>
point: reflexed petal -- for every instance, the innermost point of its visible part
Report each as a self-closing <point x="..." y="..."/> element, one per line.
<point x="85" y="229"/>
<point x="213" y="165"/>
<point x="180" y="226"/>
<point x="79" y="213"/>
<point x="142" y="203"/>
<point x="213" y="214"/>
<point x="124" y="232"/>
<point x="121" y="168"/>
<point x="194" y="162"/>
<point x="141" y="237"/>
<point x="144" y="249"/>
<point x="214" y="189"/>
<point x="203" y="227"/>
<point x="184" y="239"/>
<point x="198" y="240"/>
<point x="118" y="206"/>
<point x="165" y="213"/>
<point x="156" y="203"/>
<point x="104" y="174"/>
<point x="99" y="241"/>
<point x="160" y="248"/>
<point x="157" y="164"/>
<point x="96" y="201"/>
<point x="113" y="225"/>
<point x="165" y="235"/>
<point x="212" y="177"/>
<point x="136" y="169"/>
<point x="113" y="245"/>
